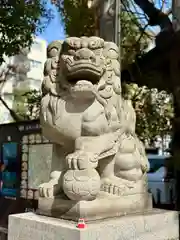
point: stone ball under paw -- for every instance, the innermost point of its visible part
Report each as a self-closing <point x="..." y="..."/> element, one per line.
<point x="81" y="184"/>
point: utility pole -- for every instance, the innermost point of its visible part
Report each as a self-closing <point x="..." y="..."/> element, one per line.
<point x="117" y="24"/>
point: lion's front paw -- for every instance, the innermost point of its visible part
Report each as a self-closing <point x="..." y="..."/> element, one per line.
<point x="49" y="189"/>
<point x="82" y="160"/>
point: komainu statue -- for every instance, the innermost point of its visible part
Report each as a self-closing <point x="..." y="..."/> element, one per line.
<point x="99" y="165"/>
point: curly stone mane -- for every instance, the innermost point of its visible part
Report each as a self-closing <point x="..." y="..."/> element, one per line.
<point x="108" y="87"/>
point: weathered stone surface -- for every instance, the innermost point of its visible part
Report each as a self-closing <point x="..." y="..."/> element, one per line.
<point x="92" y="127"/>
<point x="156" y="225"/>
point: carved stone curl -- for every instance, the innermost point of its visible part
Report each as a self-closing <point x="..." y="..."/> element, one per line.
<point x="98" y="154"/>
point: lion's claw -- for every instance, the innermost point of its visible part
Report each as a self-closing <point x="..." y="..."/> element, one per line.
<point x="82" y="160"/>
<point x="49" y="189"/>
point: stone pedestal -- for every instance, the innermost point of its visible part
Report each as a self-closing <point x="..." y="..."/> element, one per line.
<point x="155" y="224"/>
<point x="102" y="207"/>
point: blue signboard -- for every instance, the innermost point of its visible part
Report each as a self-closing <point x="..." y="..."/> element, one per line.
<point x="9" y="170"/>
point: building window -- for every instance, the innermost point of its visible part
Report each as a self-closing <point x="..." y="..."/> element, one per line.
<point x="35" y="64"/>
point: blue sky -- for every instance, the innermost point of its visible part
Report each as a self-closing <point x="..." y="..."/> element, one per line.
<point x="54" y="30"/>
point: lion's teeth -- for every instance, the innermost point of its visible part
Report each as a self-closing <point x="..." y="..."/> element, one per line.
<point x="83" y="82"/>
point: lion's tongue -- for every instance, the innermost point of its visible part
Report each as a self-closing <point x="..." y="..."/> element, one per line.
<point x="83" y="89"/>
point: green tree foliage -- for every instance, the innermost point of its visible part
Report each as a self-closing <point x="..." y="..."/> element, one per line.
<point x="78" y="19"/>
<point x="27" y="103"/>
<point x="133" y="40"/>
<point x="154" y="112"/>
<point x="20" y="103"/>
<point x="19" y="20"/>
<point x="33" y="99"/>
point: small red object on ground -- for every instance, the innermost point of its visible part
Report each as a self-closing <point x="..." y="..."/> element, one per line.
<point x="81" y="223"/>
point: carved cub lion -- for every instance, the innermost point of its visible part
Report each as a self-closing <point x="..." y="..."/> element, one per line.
<point x="92" y="126"/>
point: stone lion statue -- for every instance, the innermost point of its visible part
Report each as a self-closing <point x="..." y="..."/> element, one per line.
<point x="92" y="127"/>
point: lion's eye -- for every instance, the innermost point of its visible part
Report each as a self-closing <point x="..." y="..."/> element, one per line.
<point x="72" y="52"/>
<point x="93" y="59"/>
<point x="76" y="57"/>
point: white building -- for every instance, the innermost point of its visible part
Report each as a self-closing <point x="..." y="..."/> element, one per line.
<point x="37" y="57"/>
<point x="28" y="74"/>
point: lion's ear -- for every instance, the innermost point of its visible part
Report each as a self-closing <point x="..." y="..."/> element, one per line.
<point x="54" y="48"/>
<point x="47" y="67"/>
<point x="111" y="50"/>
<point x="46" y="85"/>
<point x="44" y="90"/>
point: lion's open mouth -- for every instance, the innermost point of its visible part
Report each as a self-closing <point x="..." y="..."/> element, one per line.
<point x="84" y="71"/>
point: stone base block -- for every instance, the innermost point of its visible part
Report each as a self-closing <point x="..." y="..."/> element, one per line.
<point x="156" y="224"/>
<point x="105" y="206"/>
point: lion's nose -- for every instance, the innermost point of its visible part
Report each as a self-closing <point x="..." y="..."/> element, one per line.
<point x="85" y="54"/>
